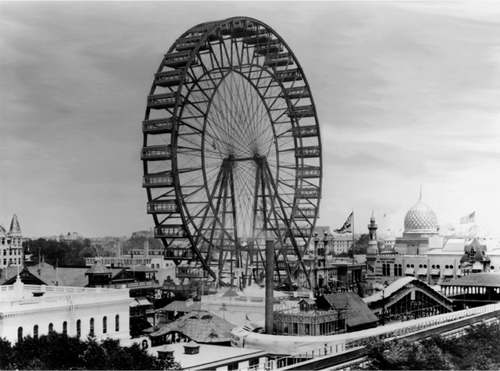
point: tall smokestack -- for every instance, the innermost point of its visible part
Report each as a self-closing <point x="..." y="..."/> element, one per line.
<point x="146" y="248"/>
<point x="269" y="286"/>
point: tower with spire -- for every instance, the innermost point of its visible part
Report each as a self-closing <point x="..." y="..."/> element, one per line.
<point x="11" y="245"/>
<point x="372" y="243"/>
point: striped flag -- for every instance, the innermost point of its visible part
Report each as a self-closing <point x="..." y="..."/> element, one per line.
<point x="469" y="218"/>
<point x="347" y="227"/>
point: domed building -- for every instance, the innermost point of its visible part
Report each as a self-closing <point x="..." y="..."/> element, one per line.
<point x="421" y="230"/>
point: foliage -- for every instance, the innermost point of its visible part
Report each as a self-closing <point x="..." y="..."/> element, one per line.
<point x="73" y="253"/>
<point x="61" y="352"/>
<point x="60" y="252"/>
<point x="478" y="349"/>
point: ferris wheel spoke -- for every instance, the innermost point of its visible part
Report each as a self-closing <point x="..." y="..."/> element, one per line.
<point x="241" y="157"/>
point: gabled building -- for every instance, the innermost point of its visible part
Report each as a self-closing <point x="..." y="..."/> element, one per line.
<point x="475" y="259"/>
<point x="11" y="245"/>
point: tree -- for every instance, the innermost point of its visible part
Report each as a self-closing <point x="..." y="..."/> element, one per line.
<point x="60" y="352"/>
<point x="478" y="349"/>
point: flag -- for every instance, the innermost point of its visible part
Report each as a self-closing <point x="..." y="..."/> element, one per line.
<point x="346" y="228"/>
<point x="468" y="219"/>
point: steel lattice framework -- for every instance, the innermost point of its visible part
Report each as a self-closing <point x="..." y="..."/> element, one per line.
<point x="232" y="152"/>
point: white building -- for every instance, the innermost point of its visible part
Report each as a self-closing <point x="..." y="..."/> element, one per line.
<point x="35" y="310"/>
<point x="341" y="243"/>
<point x="11" y="244"/>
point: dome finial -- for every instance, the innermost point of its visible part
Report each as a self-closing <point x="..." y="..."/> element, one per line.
<point x="420" y="199"/>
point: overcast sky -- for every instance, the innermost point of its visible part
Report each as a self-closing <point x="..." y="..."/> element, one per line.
<point x="407" y="94"/>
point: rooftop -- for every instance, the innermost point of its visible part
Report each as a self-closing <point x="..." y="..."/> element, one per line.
<point x="476" y="280"/>
<point x="36" y="297"/>
<point x="209" y="357"/>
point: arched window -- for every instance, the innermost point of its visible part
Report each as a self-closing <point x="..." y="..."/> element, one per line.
<point x="20" y="334"/>
<point x="117" y="323"/>
<point x="78" y="328"/>
<point x="104" y="324"/>
<point x="51" y="327"/>
<point x="65" y="328"/>
<point x="35" y="331"/>
<point x="383" y="269"/>
<point x="400" y="269"/>
<point x="396" y="272"/>
<point x="91" y="332"/>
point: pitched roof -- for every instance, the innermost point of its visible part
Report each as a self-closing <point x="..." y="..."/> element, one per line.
<point x="26" y="277"/>
<point x="64" y="276"/>
<point x="230" y="294"/>
<point x="98" y="268"/>
<point x="200" y="326"/>
<point x="15" y="229"/>
<point x="358" y="313"/>
<point x="180" y="306"/>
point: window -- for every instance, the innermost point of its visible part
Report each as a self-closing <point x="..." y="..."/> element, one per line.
<point x="78" y="328"/>
<point x="104" y="324"/>
<point x="35" y="331"/>
<point x="51" y="327"/>
<point x="20" y="334"/>
<point x="91" y="332"/>
<point x="117" y="323"/>
<point x="65" y="328"/>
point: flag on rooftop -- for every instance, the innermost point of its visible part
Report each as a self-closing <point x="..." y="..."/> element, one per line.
<point x="347" y="227"/>
<point x="468" y="219"/>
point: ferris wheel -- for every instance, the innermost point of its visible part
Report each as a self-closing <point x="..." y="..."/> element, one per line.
<point x="232" y="152"/>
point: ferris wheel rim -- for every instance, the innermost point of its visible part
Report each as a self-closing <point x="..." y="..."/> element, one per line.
<point x="175" y="170"/>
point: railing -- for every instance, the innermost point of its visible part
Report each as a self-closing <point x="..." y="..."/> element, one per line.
<point x="389" y="333"/>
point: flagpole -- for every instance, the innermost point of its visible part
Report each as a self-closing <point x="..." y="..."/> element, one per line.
<point x="352" y="268"/>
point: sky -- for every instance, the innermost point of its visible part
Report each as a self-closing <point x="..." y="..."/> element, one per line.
<point x="407" y="96"/>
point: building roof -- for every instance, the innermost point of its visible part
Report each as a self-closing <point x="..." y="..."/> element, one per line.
<point x="15" y="229"/>
<point x="200" y="326"/>
<point x="397" y="285"/>
<point x="420" y="218"/>
<point x="143" y="268"/>
<point x="181" y="306"/>
<point x="98" y="268"/>
<point x="476" y="280"/>
<point x="210" y="357"/>
<point x="358" y="313"/>
<point x="455" y="245"/>
<point x="50" y="275"/>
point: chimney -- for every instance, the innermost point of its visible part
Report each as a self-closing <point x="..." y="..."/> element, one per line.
<point x="146" y="248"/>
<point x="191" y="348"/>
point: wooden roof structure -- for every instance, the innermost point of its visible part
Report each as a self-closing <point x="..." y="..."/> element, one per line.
<point x="181" y="306"/>
<point x="48" y="275"/>
<point x="475" y="280"/>
<point x="200" y="326"/>
<point x="359" y="315"/>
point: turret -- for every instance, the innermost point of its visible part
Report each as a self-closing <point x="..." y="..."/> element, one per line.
<point x="372" y="243"/>
<point x="15" y="229"/>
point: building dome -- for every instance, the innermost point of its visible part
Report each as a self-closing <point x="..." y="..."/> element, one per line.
<point x="421" y="218"/>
